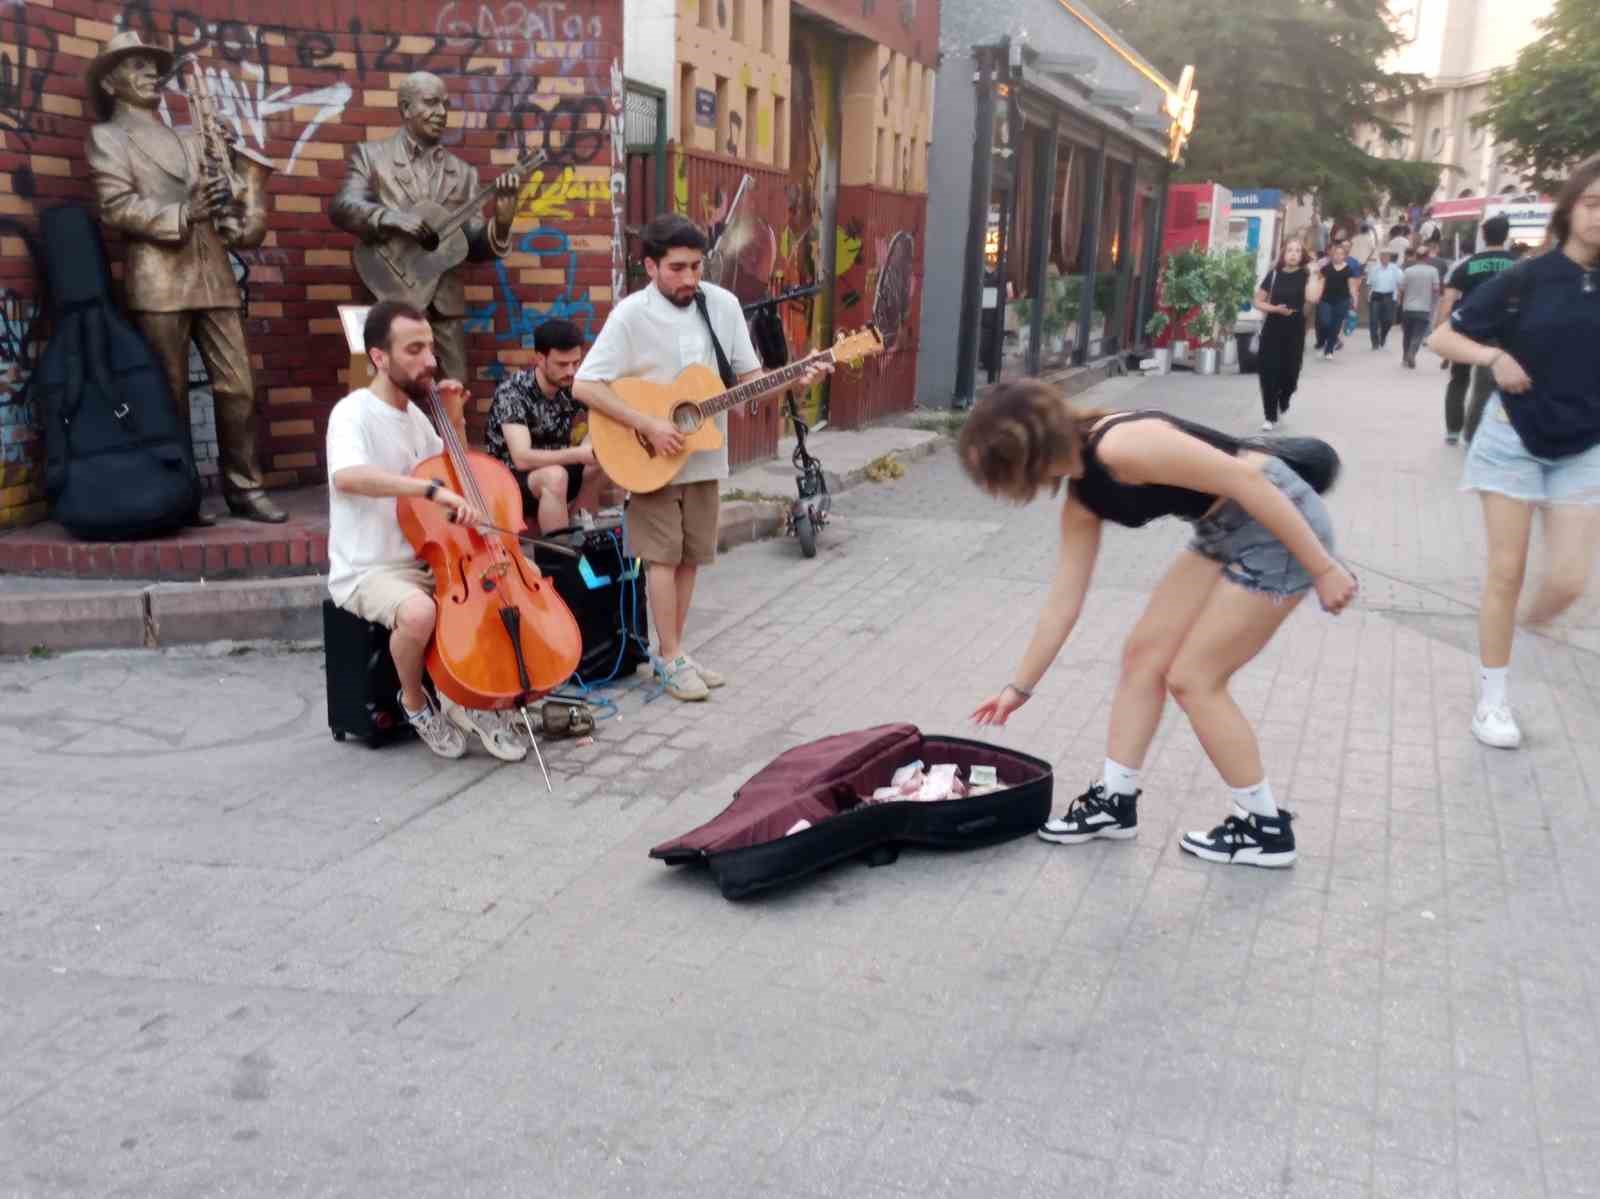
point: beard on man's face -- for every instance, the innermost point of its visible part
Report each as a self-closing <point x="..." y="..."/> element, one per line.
<point x="416" y="385"/>
<point x="681" y="294"/>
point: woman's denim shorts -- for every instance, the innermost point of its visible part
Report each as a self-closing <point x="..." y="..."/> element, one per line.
<point x="1251" y="556"/>
<point x="1499" y="462"/>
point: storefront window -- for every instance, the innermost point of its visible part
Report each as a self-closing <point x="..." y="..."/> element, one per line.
<point x="999" y="347"/>
<point x="1019" y="296"/>
<point x="1068" y="238"/>
<point x="1112" y="238"/>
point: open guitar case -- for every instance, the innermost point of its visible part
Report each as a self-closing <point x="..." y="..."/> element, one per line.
<point x="749" y="848"/>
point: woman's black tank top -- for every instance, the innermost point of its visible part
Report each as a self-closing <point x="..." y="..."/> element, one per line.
<point x="1136" y="504"/>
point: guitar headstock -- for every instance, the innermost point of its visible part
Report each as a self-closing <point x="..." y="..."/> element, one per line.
<point x="852" y="347"/>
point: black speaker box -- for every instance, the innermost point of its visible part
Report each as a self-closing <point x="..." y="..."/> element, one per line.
<point x="363" y="689"/>
<point x="606" y="593"/>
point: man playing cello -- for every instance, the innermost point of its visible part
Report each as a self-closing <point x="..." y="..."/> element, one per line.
<point x="376" y="436"/>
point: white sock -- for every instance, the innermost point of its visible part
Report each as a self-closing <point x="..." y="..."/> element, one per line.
<point x="1492" y="685"/>
<point x="1119" y="779"/>
<point x="1257" y="799"/>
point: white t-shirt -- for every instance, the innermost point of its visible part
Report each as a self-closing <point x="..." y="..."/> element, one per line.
<point x="647" y="336"/>
<point x="364" y="531"/>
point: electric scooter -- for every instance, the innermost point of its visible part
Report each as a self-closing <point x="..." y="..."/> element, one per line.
<point x="809" y="512"/>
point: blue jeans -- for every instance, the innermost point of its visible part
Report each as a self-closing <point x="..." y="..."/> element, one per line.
<point x="1330" y="322"/>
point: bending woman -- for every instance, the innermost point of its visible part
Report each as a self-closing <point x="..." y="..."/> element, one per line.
<point x="1537" y="328"/>
<point x="1282" y="297"/>
<point x="1262" y="540"/>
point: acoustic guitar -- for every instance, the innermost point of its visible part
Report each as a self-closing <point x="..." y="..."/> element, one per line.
<point x="399" y="268"/>
<point x="688" y="403"/>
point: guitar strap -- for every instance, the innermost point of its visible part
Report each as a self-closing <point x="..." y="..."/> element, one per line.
<point x="729" y="379"/>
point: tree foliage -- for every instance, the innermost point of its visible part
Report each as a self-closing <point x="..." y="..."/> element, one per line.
<point x="1545" y="111"/>
<point x="1284" y="85"/>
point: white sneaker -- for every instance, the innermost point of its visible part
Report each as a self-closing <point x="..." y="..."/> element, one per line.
<point x="437" y="733"/>
<point x="492" y="728"/>
<point x="711" y="678"/>
<point x="1496" y="728"/>
<point x="1268" y="426"/>
<point x="681" y="679"/>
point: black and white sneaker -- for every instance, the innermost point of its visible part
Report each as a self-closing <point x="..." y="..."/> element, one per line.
<point x="1094" y="814"/>
<point x="1246" y="840"/>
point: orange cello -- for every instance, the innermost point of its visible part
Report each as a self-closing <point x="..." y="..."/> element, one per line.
<point x="503" y="637"/>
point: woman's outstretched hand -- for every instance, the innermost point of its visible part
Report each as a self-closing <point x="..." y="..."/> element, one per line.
<point x="1336" y="587"/>
<point x="997" y="709"/>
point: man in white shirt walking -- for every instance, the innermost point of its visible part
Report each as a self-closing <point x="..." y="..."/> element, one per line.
<point x="653" y="334"/>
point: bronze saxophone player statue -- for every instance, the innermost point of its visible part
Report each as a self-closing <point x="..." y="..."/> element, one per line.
<point x="181" y="200"/>
<point x="394" y="192"/>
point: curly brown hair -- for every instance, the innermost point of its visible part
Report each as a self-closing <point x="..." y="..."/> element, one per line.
<point x="1021" y="437"/>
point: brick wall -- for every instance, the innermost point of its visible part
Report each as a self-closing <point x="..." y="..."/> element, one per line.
<point x="302" y="82"/>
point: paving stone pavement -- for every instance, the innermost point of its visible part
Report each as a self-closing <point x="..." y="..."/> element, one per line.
<point x="237" y="958"/>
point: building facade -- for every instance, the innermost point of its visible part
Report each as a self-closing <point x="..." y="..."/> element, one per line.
<point x="1051" y="150"/>
<point x="799" y="138"/>
<point x="1455" y="45"/>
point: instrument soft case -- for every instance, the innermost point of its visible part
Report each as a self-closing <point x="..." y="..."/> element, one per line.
<point x="363" y="688"/>
<point x="746" y="846"/>
<point x="118" y="462"/>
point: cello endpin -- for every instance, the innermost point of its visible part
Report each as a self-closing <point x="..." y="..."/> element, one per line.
<point x="534" y="741"/>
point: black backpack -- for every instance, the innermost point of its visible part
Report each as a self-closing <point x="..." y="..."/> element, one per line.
<point x="118" y="462"/>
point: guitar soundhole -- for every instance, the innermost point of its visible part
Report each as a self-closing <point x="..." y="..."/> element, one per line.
<point x="686" y="417"/>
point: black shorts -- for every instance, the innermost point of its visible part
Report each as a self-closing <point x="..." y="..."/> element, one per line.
<point x="574" y="483"/>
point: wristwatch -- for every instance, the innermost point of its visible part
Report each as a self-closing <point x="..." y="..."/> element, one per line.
<point x="433" y="489"/>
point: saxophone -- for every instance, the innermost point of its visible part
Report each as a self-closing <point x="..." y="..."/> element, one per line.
<point x="242" y="223"/>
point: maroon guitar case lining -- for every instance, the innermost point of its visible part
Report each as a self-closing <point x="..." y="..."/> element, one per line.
<point x="824" y="781"/>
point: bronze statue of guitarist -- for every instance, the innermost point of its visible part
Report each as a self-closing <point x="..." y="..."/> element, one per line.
<point x="393" y="192"/>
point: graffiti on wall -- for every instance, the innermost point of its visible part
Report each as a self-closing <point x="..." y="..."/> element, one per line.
<point x="618" y="186"/>
<point x="19" y="353"/>
<point x="521" y="318"/>
<point x="503" y="27"/>
<point x="27" y="56"/>
<point x="244" y="102"/>
<point x="517" y="104"/>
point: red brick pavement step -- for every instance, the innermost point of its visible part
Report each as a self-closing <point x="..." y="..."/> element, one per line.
<point x="232" y="549"/>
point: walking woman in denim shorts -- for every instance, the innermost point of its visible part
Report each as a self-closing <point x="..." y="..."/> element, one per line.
<point x="1263" y="539"/>
<point x="1537" y="328"/>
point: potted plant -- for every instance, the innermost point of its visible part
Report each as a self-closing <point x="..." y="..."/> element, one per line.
<point x="1183" y="295"/>
<point x="1157" y="325"/>
<point x="1060" y="310"/>
<point x="1226" y="279"/>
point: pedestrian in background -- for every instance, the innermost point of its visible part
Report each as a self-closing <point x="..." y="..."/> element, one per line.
<point x="1341" y="288"/>
<point x="1419" y="300"/>
<point x="1364" y="248"/>
<point x="1459" y="416"/>
<point x="1282" y="298"/>
<point x="1537" y="328"/>
<point x="1383" y="291"/>
<point x="1399" y="244"/>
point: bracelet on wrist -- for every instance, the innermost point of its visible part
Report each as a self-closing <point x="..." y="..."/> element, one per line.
<point x="1026" y="694"/>
<point x="433" y="489"/>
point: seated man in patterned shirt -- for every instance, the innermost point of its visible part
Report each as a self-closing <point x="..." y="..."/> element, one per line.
<point x="530" y="430"/>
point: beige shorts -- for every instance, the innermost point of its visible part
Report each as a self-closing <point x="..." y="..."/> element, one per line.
<point x="677" y="524"/>
<point x="383" y="589"/>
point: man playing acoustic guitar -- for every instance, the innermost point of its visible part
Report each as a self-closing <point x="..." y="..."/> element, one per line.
<point x="376" y="437"/>
<point x="654" y="334"/>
